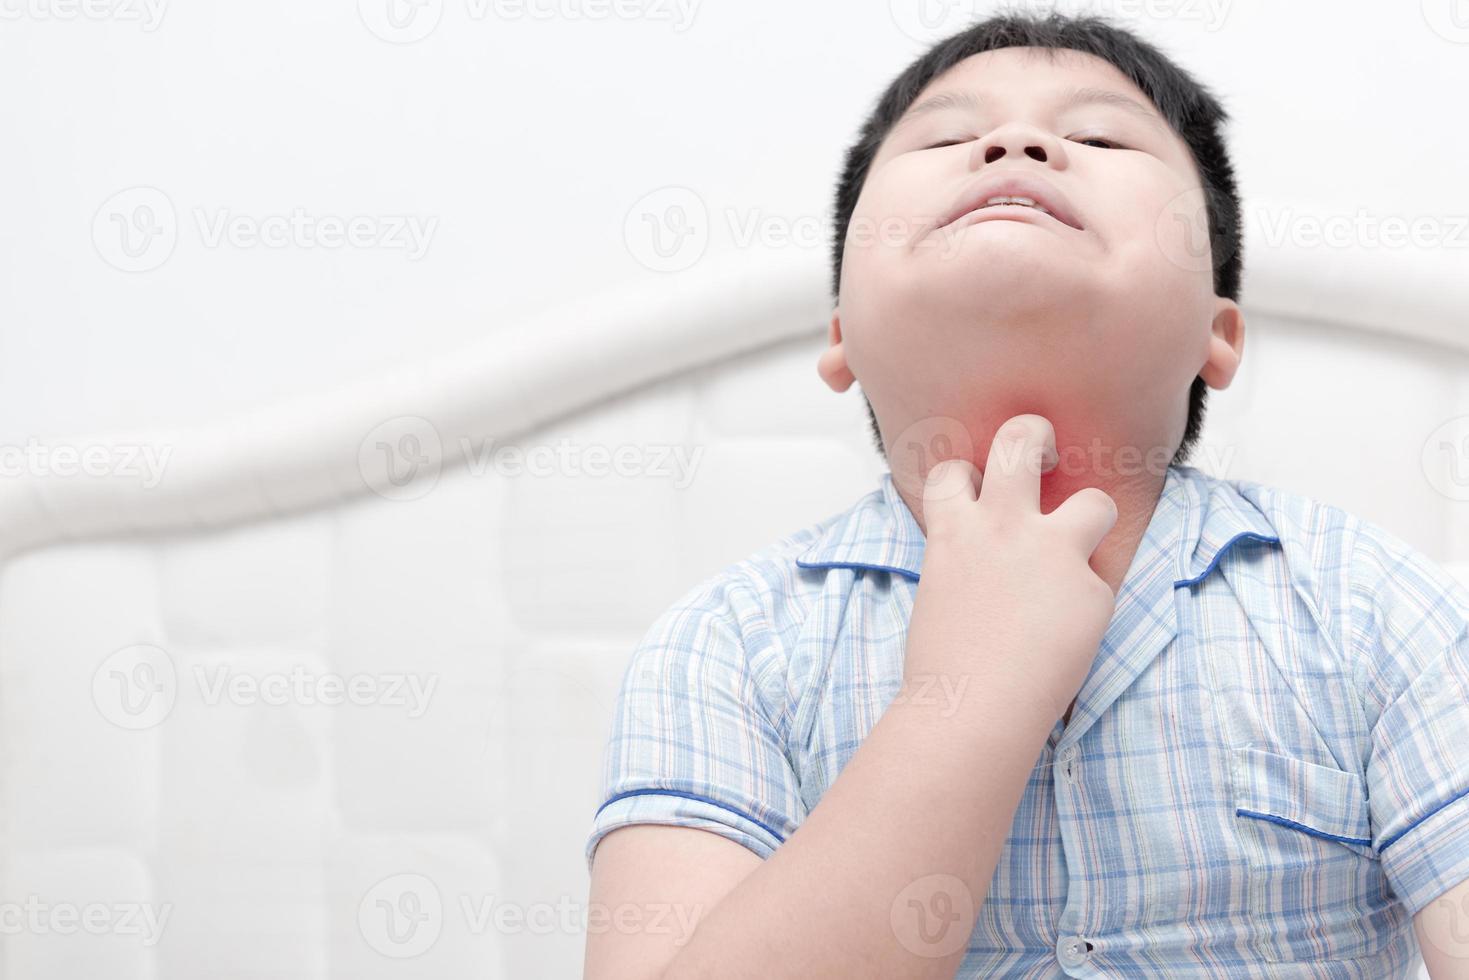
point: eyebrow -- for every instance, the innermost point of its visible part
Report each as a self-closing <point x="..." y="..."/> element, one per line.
<point x="1074" y="98"/>
<point x="1101" y="96"/>
<point x="962" y="99"/>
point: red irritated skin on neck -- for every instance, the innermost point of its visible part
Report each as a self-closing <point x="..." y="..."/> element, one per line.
<point x="1095" y="310"/>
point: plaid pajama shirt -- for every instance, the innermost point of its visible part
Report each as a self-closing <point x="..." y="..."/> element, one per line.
<point x="1266" y="772"/>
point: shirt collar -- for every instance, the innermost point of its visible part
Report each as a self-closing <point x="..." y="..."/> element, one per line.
<point x="1197" y="519"/>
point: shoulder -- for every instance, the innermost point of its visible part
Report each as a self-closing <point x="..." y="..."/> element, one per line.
<point x="1324" y="542"/>
<point x="1394" y="608"/>
<point x="767" y="592"/>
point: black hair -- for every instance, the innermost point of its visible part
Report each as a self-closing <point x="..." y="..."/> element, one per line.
<point x="1192" y="111"/>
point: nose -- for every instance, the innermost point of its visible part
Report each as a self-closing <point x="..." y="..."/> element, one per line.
<point x="1018" y="141"/>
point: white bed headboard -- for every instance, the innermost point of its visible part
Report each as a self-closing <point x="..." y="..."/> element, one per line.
<point x="351" y="536"/>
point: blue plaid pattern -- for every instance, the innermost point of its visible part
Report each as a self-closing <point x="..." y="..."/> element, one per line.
<point x="1266" y="771"/>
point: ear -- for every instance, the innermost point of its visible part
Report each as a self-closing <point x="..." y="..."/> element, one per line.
<point x="1226" y="344"/>
<point x="832" y="365"/>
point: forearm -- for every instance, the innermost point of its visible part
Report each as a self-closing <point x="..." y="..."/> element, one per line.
<point x="912" y="828"/>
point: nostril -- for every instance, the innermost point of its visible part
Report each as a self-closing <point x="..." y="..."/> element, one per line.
<point x="1036" y="153"/>
<point x="993" y="153"/>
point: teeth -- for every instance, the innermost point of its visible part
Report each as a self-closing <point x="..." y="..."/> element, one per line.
<point x="1024" y="201"/>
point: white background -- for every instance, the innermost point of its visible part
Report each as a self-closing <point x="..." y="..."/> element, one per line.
<point x="528" y="135"/>
<point x="534" y="140"/>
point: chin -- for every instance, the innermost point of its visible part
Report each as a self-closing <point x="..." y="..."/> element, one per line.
<point x="1021" y="285"/>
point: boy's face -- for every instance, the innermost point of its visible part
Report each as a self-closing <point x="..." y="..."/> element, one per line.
<point x="1098" y="315"/>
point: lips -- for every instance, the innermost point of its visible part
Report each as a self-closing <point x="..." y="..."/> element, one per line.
<point x="975" y="196"/>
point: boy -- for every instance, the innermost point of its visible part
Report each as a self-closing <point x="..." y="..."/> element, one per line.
<point x="1049" y="702"/>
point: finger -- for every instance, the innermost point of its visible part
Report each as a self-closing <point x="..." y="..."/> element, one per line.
<point x="950" y="484"/>
<point x="1085" y="518"/>
<point x="1018" y="452"/>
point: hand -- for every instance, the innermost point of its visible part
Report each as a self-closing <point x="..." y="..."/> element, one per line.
<point x="1008" y="593"/>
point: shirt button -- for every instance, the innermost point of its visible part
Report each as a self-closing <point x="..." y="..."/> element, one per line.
<point x="1066" y="760"/>
<point x="1072" y="950"/>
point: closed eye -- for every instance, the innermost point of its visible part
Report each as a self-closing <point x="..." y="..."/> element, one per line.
<point x="1097" y="141"/>
<point x="951" y="142"/>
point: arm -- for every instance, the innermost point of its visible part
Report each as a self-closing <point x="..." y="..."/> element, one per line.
<point x="1442" y="928"/>
<point x="887" y="873"/>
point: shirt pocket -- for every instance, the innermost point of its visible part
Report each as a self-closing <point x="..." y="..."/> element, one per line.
<point x="1313" y="885"/>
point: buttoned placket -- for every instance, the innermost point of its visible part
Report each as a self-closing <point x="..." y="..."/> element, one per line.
<point x="1121" y="659"/>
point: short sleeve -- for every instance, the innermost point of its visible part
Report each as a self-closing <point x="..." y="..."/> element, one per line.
<point x="1409" y="627"/>
<point x="695" y="740"/>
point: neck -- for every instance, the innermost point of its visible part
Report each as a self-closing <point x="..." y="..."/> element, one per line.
<point x="1135" y="490"/>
